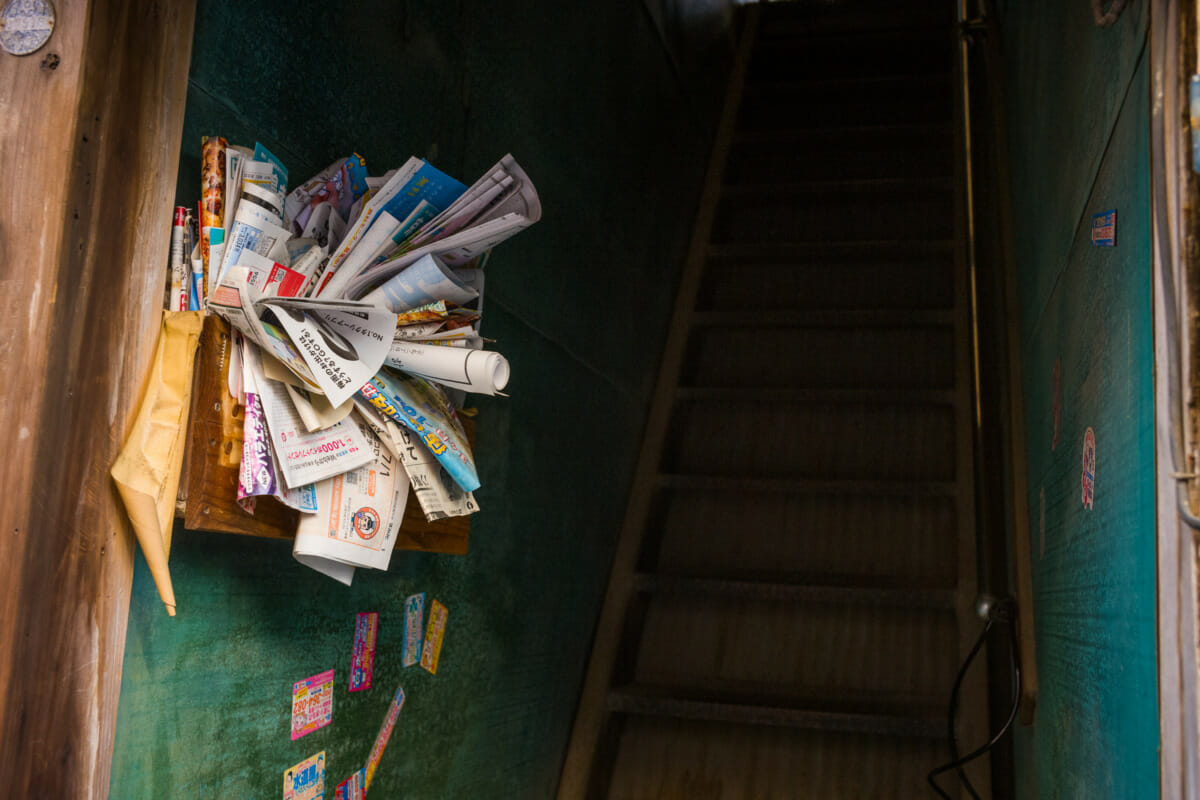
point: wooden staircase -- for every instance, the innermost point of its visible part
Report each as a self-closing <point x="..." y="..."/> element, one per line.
<point x="794" y="585"/>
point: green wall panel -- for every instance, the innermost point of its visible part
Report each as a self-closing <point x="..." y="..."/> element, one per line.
<point x="1065" y="81"/>
<point x="588" y="100"/>
<point x="1074" y="102"/>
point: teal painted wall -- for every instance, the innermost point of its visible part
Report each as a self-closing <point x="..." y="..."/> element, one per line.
<point x="1077" y="104"/>
<point x="615" y="134"/>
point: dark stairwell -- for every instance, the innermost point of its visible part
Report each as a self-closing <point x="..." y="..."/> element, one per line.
<point x="795" y="585"/>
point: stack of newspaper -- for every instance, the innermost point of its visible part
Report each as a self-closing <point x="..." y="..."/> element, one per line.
<point x="357" y="304"/>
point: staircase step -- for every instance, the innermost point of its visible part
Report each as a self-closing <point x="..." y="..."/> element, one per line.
<point x="813" y="395"/>
<point x="871" y="538"/>
<point x="799" y="252"/>
<point x="820" y="190"/>
<point x="875" y="158"/>
<point x="879" y="357"/>
<point x="852" y="53"/>
<point x="817" y="318"/>
<point x="752" y="437"/>
<point x="919" y="283"/>
<point x="726" y="483"/>
<point x="664" y="702"/>
<point x="840" y="210"/>
<point x="816" y="589"/>
<point x="836" y="104"/>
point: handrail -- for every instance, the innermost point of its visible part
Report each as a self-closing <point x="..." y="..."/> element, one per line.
<point x="972" y="27"/>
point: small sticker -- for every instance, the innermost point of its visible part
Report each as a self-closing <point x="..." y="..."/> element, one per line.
<point x="306" y="780"/>
<point x="352" y="787"/>
<point x="434" y="632"/>
<point x="410" y="648"/>
<point x="1104" y="229"/>
<point x="1056" y="404"/>
<point x="312" y="704"/>
<point x="362" y="658"/>
<point x="1088" y="480"/>
<point x="381" y="740"/>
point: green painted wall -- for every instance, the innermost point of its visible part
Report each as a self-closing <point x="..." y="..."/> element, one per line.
<point x="615" y="133"/>
<point x="1078" y="121"/>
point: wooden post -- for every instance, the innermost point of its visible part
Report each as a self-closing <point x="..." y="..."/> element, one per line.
<point x="90" y="130"/>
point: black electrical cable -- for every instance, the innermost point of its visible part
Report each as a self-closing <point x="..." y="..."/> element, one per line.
<point x="956" y="763"/>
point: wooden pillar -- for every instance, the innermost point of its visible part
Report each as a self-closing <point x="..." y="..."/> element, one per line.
<point x="90" y="129"/>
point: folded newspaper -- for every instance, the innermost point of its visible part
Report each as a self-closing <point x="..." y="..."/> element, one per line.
<point x="358" y="301"/>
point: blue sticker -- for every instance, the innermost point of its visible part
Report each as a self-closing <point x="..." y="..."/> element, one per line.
<point x="1104" y="229"/>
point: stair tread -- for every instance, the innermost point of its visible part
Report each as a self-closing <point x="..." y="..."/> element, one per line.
<point x="675" y="480"/>
<point x="830" y="589"/>
<point x="810" y="713"/>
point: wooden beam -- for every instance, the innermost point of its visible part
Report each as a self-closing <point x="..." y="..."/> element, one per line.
<point x="89" y="146"/>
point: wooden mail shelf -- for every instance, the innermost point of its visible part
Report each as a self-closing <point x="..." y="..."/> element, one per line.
<point x="208" y="487"/>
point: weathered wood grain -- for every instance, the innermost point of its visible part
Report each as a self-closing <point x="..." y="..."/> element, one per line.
<point x="89" y="139"/>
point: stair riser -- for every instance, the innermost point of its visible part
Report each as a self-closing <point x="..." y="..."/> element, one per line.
<point x="699" y="642"/>
<point x="834" y="216"/>
<point x="826" y="285"/>
<point x="846" y="442"/>
<point x="895" y="539"/>
<point x="906" y="357"/>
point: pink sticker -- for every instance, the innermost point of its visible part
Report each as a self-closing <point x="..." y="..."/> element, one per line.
<point x="1088" y="480"/>
<point x="312" y="704"/>
<point x="362" y="659"/>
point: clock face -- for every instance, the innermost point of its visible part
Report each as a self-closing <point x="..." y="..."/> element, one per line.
<point x="25" y="25"/>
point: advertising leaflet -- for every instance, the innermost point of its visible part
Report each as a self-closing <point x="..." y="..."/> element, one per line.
<point x="358" y="515"/>
<point x="480" y="371"/>
<point x="306" y="780"/>
<point x="410" y="647"/>
<point x="303" y="456"/>
<point x="436" y="492"/>
<point x="362" y="656"/>
<point x="431" y="651"/>
<point x="424" y="409"/>
<point x="312" y="704"/>
<point x="335" y="346"/>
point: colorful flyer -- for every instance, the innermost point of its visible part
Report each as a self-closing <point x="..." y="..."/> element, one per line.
<point x="306" y="780"/>
<point x="434" y="632"/>
<point x="362" y="659"/>
<point x="414" y="613"/>
<point x="352" y="787"/>
<point x="312" y="704"/>
<point x="381" y="740"/>
<point x="1104" y="229"/>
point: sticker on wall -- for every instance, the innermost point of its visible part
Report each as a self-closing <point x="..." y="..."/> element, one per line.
<point x="352" y="787"/>
<point x="312" y="704"/>
<point x="1042" y="523"/>
<point x="1056" y="404"/>
<point x="306" y="780"/>
<point x="1088" y="480"/>
<point x="381" y="739"/>
<point x="414" y="614"/>
<point x="362" y="658"/>
<point x="1104" y="229"/>
<point x="434" y="632"/>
